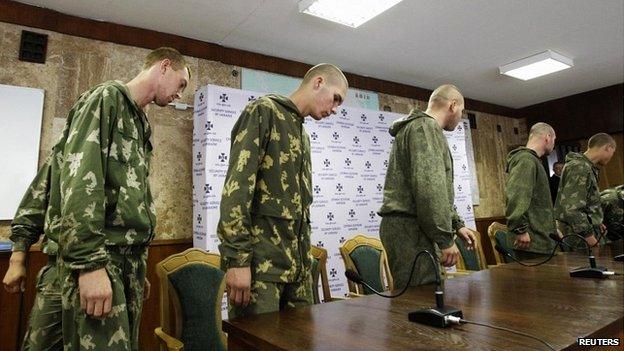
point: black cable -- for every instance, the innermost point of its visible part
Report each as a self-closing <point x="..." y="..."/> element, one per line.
<point x="353" y="276"/>
<point x="508" y="330"/>
<point x="508" y="254"/>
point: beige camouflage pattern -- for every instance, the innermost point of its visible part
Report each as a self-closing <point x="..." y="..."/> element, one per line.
<point x="265" y="205"/>
<point x="119" y="330"/>
<point x="577" y="208"/>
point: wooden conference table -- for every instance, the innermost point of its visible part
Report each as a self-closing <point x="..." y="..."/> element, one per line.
<point x="543" y="301"/>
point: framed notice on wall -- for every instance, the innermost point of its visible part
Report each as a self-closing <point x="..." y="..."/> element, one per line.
<point x="21" y="111"/>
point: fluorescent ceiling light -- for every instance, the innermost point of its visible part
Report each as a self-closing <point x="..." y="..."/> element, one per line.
<point x="537" y="65"/>
<point x="352" y="13"/>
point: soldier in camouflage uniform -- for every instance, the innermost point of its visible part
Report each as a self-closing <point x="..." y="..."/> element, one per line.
<point x="418" y="212"/>
<point x="265" y="207"/>
<point x="577" y="208"/>
<point x="100" y="210"/>
<point x="612" y="202"/>
<point x="529" y="207"/>
<point x="44" y="329"/>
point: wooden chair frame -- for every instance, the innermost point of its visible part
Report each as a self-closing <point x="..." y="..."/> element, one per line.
<point x="167" y="334"/>
<point x="480" y="255"/>
<point x="361" y="240"/>
<point x="492" y="230"/>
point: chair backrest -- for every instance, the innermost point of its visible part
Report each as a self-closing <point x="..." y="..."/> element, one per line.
<point x="367" y="257"/>
<point x="192" y="283"/>
<point x="472" y="260"/>
<point x="499" y="235"/>
<point x="319" y="273"/>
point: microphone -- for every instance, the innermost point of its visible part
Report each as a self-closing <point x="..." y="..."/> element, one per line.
<point x="592" y="271"/>
<point x="439" y="316"/>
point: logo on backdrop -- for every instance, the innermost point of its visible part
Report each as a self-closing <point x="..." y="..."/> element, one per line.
<point x="330" y="216"/>
<point x="222" y="157"/>
<point x="207" y="188"/>
<point x="347" y="161"/>
<point x="317" y="189"/>
<point x="209" y="125"/>
<point x="381" y="117"/>
<point x="363" y="117"/>
<point x="314" y="136"/>
<point x="224" y="97"/>
<point x="356" y="140"/>
<point x="327" y="163"/>
<point x="343" y="112"/>
<point x="335" y="135"/>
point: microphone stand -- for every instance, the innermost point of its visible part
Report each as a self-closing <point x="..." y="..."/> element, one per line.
<point x="592" y="271"/>
<point x="439" y="316"/>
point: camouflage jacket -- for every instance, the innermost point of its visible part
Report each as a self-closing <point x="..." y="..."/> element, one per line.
<point x="265" y="204"/>
<point x="419" y="181"/>
<point x="578" y="207"/>
<point x="529" y="206"/>
<point x="612" y="201"/>
<point x="92" y="191"/>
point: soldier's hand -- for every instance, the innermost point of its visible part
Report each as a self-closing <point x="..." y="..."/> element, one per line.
<point x="96" y="294"/>
<point x="591" y="240"/>
<point x="238" y="285"/>
<point x="522" y="241"/>
<point x="15" y="278"/>
<point x="450" y="256"/>
<point x="147" y="288"/>
<point x="603" y="229"/>
<point x="468" y="236"/>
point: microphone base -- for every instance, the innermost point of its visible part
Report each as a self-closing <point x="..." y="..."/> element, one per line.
<point x="588" y="272"/>
<point x="434" y="316"/>
<point x="619" y="257"/>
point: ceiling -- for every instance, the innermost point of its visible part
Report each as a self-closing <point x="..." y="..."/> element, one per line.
<point x="422" y="43"/>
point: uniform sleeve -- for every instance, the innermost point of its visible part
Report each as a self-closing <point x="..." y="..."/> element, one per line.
<point x="234" y="228"/>
<point x="434" y="209"/>
<point x="572" y="207"/>
<point x="456" y="220"/>
<point x="519" y="191"/>
<point x="28" y="223"/>
<point x="82" y="176"/>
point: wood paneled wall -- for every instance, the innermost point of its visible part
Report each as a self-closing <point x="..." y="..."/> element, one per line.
<point x="582" y="115"/>
<point x="493" y="137"/>
<point x="16" y="307"/>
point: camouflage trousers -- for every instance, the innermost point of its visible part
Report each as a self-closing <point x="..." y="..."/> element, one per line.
<point x="44" y="324"/>
<point x="271" y="297"/>
<point x="120" y="329"/>
<point x="402" y="239"/>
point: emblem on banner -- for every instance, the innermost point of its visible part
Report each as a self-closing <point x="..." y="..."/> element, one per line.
<point x="382" y="117"/>
<point x="363" y="117"/>
<point x="222" y="157"/>
<point x="343" y="112"/>
<point x="347" y="161"/>
<point x="223" y="97"/>
<point x="327" y="163"/>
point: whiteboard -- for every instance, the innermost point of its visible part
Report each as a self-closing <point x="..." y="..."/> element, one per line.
<point x="21" y="112"/>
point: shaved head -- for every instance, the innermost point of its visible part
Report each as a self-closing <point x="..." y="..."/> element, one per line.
<point x="332" y="74"/>
<point x="600" y="140"/>
<point x="541" y="129"/>
<point x="444" y="93"/>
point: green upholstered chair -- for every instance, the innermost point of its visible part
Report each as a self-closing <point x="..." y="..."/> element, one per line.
<point x="499" y="235"/>
<point x="471" y="260"/>
<point x="367" y="257"/>
<point x="319" y="273"/>
<point x="191" y="291"/>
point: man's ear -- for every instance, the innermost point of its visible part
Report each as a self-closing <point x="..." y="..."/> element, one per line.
<point x="164" y="64"/>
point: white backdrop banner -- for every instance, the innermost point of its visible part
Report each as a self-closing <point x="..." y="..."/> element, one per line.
<point x="349" y="161"/>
